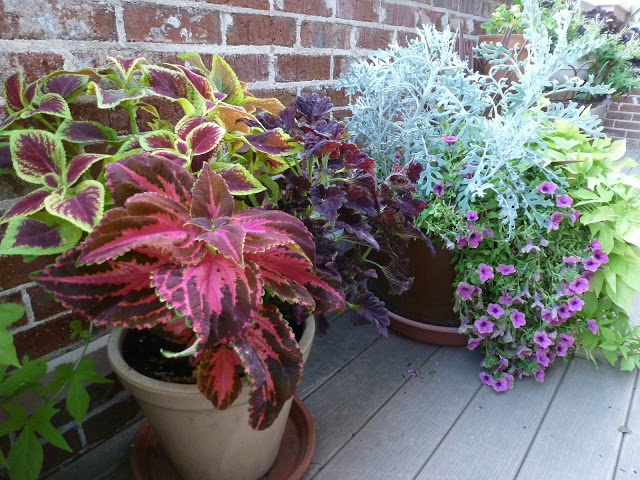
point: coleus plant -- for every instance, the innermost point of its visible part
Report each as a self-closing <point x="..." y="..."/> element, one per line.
<point x="176" y="252"/>
<point x="360" y="224"/>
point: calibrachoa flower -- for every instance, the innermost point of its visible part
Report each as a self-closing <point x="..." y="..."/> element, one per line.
<point x="484" y="325"/>
<point x="600" y="256"/>
<point x="464" y="290"/>
<point x="438" y="189"/>
<point x="517" y="318"/>
<point x="593" y="326"/>
<point x="547" y="187"/>
<point x="509" y="378"/>
<point x="485" y="272"/>
<point x="506" y="269"/>
<point x="499" y="385"/>
<point x="547" y="315"/>
<point x="495" y="310"/>
<point x="565" y="311"/>
<point x="591" y="264"/>
<point x="554" y="221"/>
<point x="539" y="374"/>
<point x="575" y="303"/>
<point x="473" y="343"/>
<point x="543" y="241"/>
<point x="487" y="233"/>
<point x="472" y="216"/>
<point x="542" y="357"/>
<point x="564" y="339"/>
<point x="571" y="260"/>
<point x="564" y="201"/>
<point x="462" y="241"/>
<point x="561" y="349"/>
<point x="593" y="245"/>
<point x="542" y="339"/>
<point x="474" y="239"/>
<point x="505" y="299"/>
<point x="449" y="139"/>
<point x="486" y="378"/>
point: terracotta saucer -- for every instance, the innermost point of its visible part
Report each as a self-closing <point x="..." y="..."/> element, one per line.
<point x="148" y="461"/>
<point x="426" y="333"/>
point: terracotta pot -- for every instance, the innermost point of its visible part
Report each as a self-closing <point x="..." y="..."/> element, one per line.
<point x="522" y="53"/>
<point x="425" y="312"/>
<point x="204" y="443"/>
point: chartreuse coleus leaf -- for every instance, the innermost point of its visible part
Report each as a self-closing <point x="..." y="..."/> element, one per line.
<point x="82" y="206"/>
<point x="37" y="153"/>
<point x="238" y="179"/>
<point x="225" y="80"/>
<point x="51" y="104"/>
<point x="39" y="234"/>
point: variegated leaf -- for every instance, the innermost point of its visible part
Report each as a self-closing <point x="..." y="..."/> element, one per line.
<point x="147" y="172"/>
<point x="51" y="104"/>
<point x="127" y="65"/>
<point x="238" y="179"/>
<point x="228" y="240"/>
<point x="82" y="208"/>
<point x="272" y="362"/>
<point x="36" y="153"/>
<point x="217" y="376"/>
<point x="195" y="60"/>
<point x="27" y="205"/>
<point x="86" y="132"/>
<point x="230" y="116"/>
<point x="166" y="83"/>
<point x="275" y="164"/>
<point x="217" y="296"/>
<point x="157" y="139"/>
<point x="271" y="142"/>
<point x="271" y="105"/>
<point x="211" y="197"/>
<point x="113" y="98"/>
<point x="199" y="83"/>
<point x="13" y="93"/>
<point x="8" y="121"/>
<point x="39" y="234"/>
<point x="112" y="293"/>
<point x="187" y="124"/>
<point x="67" y="85"/>
<point x="80" y="164"/>
<point x="205" y="138"/>
<point x="225" y="80"/>
<point x="149" y="221"/>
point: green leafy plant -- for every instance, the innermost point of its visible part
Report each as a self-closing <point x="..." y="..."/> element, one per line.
<point x="23" y="460"/>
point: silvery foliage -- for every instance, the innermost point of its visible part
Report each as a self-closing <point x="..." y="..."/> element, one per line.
<point x="405" y="98"/>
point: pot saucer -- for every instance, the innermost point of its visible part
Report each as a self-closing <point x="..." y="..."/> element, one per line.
<point x="148" y="461"/>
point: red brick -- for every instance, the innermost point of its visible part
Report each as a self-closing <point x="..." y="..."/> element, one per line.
<point x="110" y="421"/>
<point x="607" y="123"/>
<point x="325" y="35"/>
<point x="430" y="17"/>
<point x="285" y="95"/>
<point x="338" y="97"/>
<point x="46" y="337"/>
<point x="317" y="8"/>
<point x="627" y="107"/>
<point x="405" y="37"/>
<point x="401" y="15"/>
<point x="635" y="134"/>
<point x="60" y="19"/>
<point x="361" y="10"/>
<point x="35" y="65"/>
<point x="15" y="297"/>
<point x="342" y="63"/>
<point x="53" y="457"/>
<point x="249" y="29"/>
<point x="472" y="7"/>
<point x="459" y="23"/>
<point x="622" y="116"/>
<point x="631" y="126"/>
<point x="448" y="4"/>
<point x="373" y="38"/>
<point x="145" y="23"/>
<point x="14" y="271"/>
<point x="341" y="114"/>
<point x="249" y="68"/>
<point x="43" y="304"/>
<point x="296" y="68"/>
<point x="257" y="4"/>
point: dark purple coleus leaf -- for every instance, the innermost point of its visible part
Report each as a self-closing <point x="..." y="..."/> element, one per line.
<point x="34" y="233"/>
<point x="80" y="164"/>
<point x="157" y="139"/>
<point x="8" y="121"/>
<point x="13" y="93"/>
<point x="117" y="292"/>
<point x="51" y="104"/>
<point x="327" y="201"/>
<point x="5" y="157"/>
<point x="367" y="309"/>
<point x="82" y="206"/>
<point x="112" y="98"/>
<point x="166" y="83"/>
<point x="186" y="125"/>
<point x="360" y="200"/>
<point x="199" y="82"/>
<point x="36" y="153"/>
<point x="205" y="138"/>
<point x="312" y="106"/>
<point x="39" y="234"/>
<point x="272" y="142"/>
<point x="86" y="132"/>
<point x="28" y="204"/>
<point x="67" y="85"/>
<point x="272" y="362"/>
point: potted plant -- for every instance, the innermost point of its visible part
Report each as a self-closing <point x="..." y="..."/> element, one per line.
<point x="184" y="251"/>
<point x="523" y="254"/>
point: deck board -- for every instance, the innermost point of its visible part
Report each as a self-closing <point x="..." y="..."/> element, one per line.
<point x="509" y="420"/>
<point x="629" y="460"/>
<point x="402" y="435"/>
<point x="579" y="435"/>
<point x="342" y="405"/>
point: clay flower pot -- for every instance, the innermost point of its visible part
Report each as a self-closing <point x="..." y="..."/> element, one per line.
<point x="522" y="53"/>
<point x="204" y="443"/>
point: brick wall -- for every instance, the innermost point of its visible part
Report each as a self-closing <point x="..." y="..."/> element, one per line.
<point x="279" y="47"/>
<point x="623" y="119"/>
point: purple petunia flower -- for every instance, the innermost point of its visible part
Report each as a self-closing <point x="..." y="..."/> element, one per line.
<point x="547" y="315"/>
<point x="571" y="260"/>
<point x="397" y="155"/>
<point x="542" y="357"/>
<point x="600" y="256"/>
<point x="575" y="303"/>
<point x="505" y="299"/>
<point x="486" y="378"/>
<point x="449" y="245"/>
<point x="588" y="275"/>
<point x="449" y="139"/>
<point x="561" y="349"/>
<point x="472" y="216"/>
<point x="593" y="326"/>
<point x="462" y="241"/>
<point x="474" y="239"/>
<point x="536" y="302"/>
<point x="509" y="378"/>
<point x="517" y="318"/>
<point x="564" y="311"/>
<point x="591" y="264"/>
<point x="487" y="233"/>
<point x="529" y="246"/>
<point x="564" y="201"/>
<point x="542" y="339"/>
<point x="539" y="374"/>
<point x="484" y="325"/>
<point x="564" y="339"/>
<point x="464" y="290"/>
<point x="547" y="187"/>
<point x="485" y="272"/>
<point x="495" y="310"/>
<point x="438" y="189"/>
<point x="543" y="241"/>
<point x="473" y="343"/>
<point x="554" y="221"/>
<point x="593" y="245"/>
<point x="506" y="269"/>
<point x="499" y="385"/>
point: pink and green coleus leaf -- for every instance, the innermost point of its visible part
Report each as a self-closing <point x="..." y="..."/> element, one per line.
<point x="36" y="153"/>
<point x="112" y="293"/>
<point x="272" y="361"/>
<point x="157" y="139"/>
<point x="13" y="92"/>
<point x="218" y="297"/>
<point x="238" y="179"/>
<point x="227" y="239"/>
<point x="86" y="132"/>
<point x="31" y="203"/>
<point x="211" y="197"/>
<point x="271" y="142"/>
<point x="218" y="377"/>
<point x="127" y="65"/>
<point x="39" y="234"/>
<point x="199" y="82"/>
<point x="51" y="104"/>
<point x="80" y="164"/>
<point x="148" y="221"/>
<point x="82" y="206"/>
<point x="67" y="85"/>
<point x="205" y="138"/>
<point x="146" y="172"/>
<point x="187" y="123"/>
<point x="113" y="98"/>
<point x="166" y="83"/>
